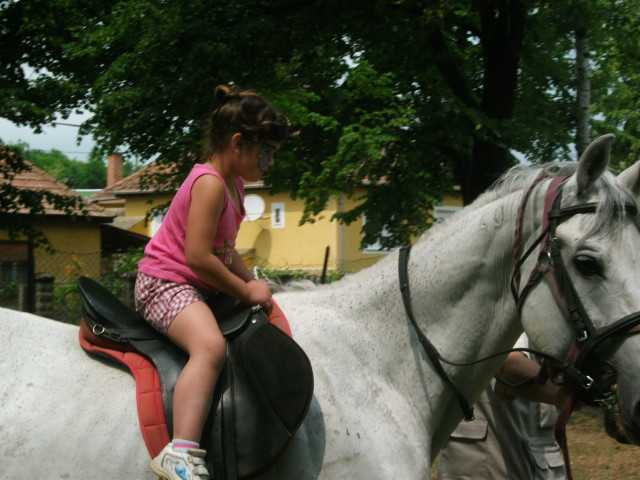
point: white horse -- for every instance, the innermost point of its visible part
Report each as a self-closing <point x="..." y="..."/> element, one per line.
<point x="379" y="411"/>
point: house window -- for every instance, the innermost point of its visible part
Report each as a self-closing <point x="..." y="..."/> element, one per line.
<point x="440" y="212"/>
<point x="277" y="215"/>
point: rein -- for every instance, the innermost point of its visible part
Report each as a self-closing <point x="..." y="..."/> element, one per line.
<point x="437" y="359"/>
<point x="599" y="390"/>
<point x="550" y="266"/>
<point x="428" y="347"/>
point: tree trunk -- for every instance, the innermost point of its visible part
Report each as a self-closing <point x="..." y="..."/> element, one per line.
<point x="502" y="32"/>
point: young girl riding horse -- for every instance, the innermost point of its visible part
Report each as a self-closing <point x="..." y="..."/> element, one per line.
<point x="193" y="255"/>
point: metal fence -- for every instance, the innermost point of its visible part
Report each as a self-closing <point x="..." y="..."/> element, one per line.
<point x="45" y="284"/>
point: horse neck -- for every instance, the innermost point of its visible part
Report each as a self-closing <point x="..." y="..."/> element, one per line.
<point x="460" y="274"/>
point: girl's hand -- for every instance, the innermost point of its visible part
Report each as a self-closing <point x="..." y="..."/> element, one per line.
<point x="259" y="293"/>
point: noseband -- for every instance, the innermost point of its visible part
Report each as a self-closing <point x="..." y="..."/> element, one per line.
<point x="598" y="382"/>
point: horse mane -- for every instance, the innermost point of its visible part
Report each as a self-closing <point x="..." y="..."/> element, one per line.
<point x="522" y="177"/>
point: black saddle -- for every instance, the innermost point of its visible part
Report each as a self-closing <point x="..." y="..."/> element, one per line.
<point x="263" y="393"/>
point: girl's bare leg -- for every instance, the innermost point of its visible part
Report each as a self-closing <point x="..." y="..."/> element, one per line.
<point x="196" y="331"/>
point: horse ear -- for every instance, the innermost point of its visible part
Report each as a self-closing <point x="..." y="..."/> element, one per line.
<point x="594" y="162"/>
<point x="630" y="179"/>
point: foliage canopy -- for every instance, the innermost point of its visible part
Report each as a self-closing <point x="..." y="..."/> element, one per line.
<point x="409" y="97"/>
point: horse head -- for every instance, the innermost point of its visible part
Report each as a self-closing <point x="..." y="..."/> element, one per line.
<point x="581" y="301"/>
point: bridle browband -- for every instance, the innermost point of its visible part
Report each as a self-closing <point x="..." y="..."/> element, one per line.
<point x="551" y="267"/>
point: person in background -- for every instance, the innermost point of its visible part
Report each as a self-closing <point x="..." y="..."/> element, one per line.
<point x="512" y="435"/>
<point x="193" y="256"/>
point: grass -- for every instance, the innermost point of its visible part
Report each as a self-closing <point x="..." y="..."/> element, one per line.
<point x="596" y="456"/>
<point x="593" y="454"/>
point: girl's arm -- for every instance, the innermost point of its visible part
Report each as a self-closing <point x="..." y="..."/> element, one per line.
<point x="207" y="199"/>
<point x="239" y="268"/>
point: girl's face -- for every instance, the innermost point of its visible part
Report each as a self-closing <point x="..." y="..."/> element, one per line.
<point x="265" y="155"/>
<point x="257" y="158"/>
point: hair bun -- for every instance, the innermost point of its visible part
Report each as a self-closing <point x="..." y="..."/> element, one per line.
<point x="245" y="112"/>
<point x="225" y="93"/>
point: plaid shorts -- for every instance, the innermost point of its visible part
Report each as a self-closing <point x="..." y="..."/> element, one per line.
<point x="159" y="301"/>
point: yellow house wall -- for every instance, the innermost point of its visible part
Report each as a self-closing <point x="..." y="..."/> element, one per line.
<point x="453" y="200"/>
<point x="303" y="246"/>
<point x="138" y="206"/>
<point x="294" y="246"/>
<point x="353" y="257"/>
<point x="77" y="249"/>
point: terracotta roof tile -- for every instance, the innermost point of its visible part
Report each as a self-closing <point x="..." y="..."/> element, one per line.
<point x="256" y="184"/>
<point x="131" y="184"/>
<point x="38" y="180"/>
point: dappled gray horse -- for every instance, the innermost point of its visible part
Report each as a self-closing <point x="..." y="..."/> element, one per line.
<point x="380" y="409"/>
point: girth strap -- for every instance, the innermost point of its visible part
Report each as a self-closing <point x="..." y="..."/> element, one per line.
<point x="430" y="350"/>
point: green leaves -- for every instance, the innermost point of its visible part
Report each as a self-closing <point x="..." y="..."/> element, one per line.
<point x="408" y="98"/>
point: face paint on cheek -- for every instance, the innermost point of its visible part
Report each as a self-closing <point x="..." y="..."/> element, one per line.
<point x="265" y="155"/>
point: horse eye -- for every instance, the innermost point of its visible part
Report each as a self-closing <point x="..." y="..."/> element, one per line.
<point x="587" y="266"/>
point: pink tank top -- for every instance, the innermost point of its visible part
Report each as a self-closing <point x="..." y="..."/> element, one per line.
<point x="164" y="254"/>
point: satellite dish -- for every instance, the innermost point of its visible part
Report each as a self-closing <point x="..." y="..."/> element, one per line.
<point x="254" y="207"/>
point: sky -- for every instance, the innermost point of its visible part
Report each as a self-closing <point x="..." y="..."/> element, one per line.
<point x="58" y="137"/>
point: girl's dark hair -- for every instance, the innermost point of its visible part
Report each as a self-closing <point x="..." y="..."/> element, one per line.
<point x="245" y="112"/>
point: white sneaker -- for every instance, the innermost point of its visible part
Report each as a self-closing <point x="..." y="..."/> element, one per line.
<point x="172" y="465"/>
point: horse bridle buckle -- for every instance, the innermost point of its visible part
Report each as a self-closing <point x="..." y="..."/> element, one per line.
<point x="586" y="382"/>
<point x="583" y="380"/>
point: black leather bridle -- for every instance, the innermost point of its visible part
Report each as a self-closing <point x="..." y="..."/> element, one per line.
<point x="592" y="387"/>
<point x="596" y="382"/>
<point x="551" y="266"/>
